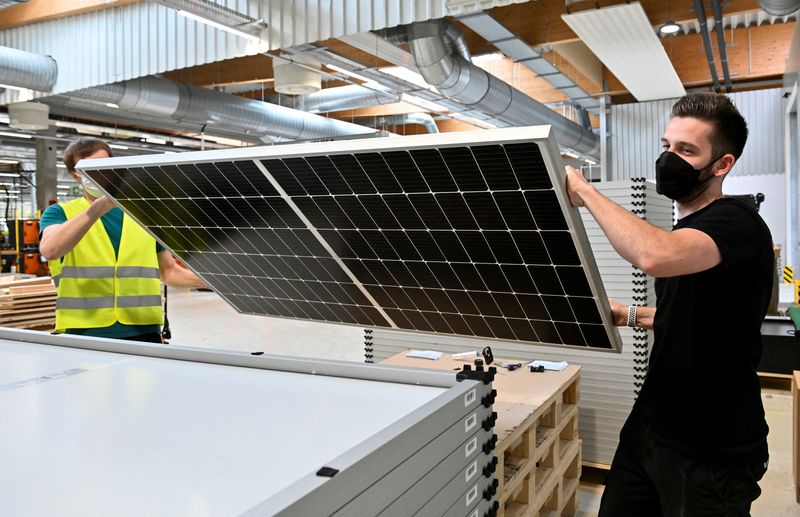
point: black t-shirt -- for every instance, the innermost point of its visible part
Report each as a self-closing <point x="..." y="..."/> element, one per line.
<point x="701" y="394"/>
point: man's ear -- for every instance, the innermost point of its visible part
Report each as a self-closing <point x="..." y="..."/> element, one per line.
<point x="725" y="164"/>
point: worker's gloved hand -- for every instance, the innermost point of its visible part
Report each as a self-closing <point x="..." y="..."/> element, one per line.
<point x="619" y="313"/>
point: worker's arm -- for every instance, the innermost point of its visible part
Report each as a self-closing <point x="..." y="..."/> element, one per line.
<point x="174" y="275"/>
<point x="655" y="251"/>
<point x="60" y="239"/>
<point x="644" y="315"/>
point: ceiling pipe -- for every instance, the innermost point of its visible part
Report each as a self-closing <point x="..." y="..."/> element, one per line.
<point x="719" y="28"/>
<point x="402" y="119"/>
<point x="22" y="69"/>
<point x="779" y="7"/>
<point x="168" y="103"/>
<point x="701" y="18"/>
<point x="453" y="38"/>
<point x="460" y="80"/>
<point x="340" y="98"/>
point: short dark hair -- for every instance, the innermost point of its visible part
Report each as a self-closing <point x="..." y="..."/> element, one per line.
<point x="729" y="132"/>
<point x="81" y="148"/>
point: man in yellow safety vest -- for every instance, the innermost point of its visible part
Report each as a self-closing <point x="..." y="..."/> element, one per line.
<point x="107" y="269"/>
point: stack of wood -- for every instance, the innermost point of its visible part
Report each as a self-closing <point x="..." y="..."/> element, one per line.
<point x="27" y="303"/>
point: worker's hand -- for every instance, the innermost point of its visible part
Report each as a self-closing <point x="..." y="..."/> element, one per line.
<point x="619" y="313"/>
<point x="102" y="205"/>
<point x="576" y="184"/>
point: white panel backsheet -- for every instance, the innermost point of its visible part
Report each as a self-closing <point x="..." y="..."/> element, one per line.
<point x="145" y="436"/>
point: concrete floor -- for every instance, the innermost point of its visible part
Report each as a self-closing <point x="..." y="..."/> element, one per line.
<point x="205" y="320"/>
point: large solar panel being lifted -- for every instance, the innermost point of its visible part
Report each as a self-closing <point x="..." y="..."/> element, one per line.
<point x="459" y="233"/>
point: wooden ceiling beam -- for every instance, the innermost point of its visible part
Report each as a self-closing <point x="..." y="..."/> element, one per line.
<point x="754" y="53"/>
<point x="34" y="11"/>
<point x="540" y="24"/>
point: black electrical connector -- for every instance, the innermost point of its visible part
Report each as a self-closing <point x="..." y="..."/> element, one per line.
<point x="489" y="398"/>
<point x="488" y="447"/>
<point x="489" y="421"/>
<point x="490" y="490"/>
<point x="490" y="467"/>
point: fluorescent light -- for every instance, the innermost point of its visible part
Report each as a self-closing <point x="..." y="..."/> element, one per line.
<point x="669" y="28"/>
<point x="154" y="140"/>
<point x="112" y="105"/>
<point x="422" y="103"/>
<point x="117" y="146"/>
<point x="570" y="154"/>
<point x="61" y="166"/>
<point x="473" y="121"/>
<point x="590" y="162"/>
<point x="18" y="88"/>
<point x="10" y="162"/>
<point x="15" y="135"/>
<point x="12" y="191"/>
<point x="408" y="76"/>
<point x="348" y="73"/>
<point x="219" y="26"/>
<point x="8" y="174"/>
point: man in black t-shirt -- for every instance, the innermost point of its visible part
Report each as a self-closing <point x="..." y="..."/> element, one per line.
<point x="695" y="441"/>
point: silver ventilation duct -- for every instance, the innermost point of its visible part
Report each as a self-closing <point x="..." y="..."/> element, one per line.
<point x="384" y="121"/>
<point x="453" y="38"/>
<point x="170" y="104"/>
<point x="779" y="7"/>
<point x="458" y="79"/>
<point x="27" y="70"/>
<point x="339" y="98"/>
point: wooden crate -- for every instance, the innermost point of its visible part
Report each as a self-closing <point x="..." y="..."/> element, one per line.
<point x="538" y="448"/>
<point x="27" y="303"/>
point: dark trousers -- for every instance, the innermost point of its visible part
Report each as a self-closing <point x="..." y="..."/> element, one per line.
<point x="650" y="479"/>
<point x="152" y="337"/>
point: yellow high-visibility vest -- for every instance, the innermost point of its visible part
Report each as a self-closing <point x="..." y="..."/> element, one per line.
<point x="95" y="289"/>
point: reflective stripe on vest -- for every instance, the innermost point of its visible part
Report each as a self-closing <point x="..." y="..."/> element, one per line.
<point x="96" y="288"/>
<point x="95" y="302"/>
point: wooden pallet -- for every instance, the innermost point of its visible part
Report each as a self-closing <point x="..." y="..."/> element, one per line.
<point x="538" y="449"/>
<point x="540" y="459"/>
<point x="27" y="303"/>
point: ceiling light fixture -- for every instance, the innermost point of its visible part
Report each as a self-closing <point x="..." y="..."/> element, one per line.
<point x="112" y="105"/>
<point x="9" y="162"/>
<point x="669" y="28"/>
<point x="350" y="73"/>
<point x="118" y="146"/>
<point x="15" y="135"/>
<point x="219" y="26"/>
<point x="153" y="140"/>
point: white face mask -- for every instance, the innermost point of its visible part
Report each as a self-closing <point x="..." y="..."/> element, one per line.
<point x="90" y="188"/>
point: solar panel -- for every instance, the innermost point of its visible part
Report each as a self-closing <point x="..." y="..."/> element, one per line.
<point x="458" y="233"/>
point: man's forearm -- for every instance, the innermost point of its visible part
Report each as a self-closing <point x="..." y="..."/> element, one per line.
<point x="633" y="238"/>
<point x="182" y="277"/>
<point x="645" y="317"/>
<point x="66" y="236"/>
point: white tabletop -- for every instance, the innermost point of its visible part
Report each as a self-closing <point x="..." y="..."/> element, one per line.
<point x="128" y="435"/>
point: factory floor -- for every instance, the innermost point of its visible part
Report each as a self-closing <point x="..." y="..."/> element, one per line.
<point x="204" y="319"/>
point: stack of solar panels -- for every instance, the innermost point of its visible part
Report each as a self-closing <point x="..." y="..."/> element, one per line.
<point x="609" y="382"/>
<point x="451" y="475"/>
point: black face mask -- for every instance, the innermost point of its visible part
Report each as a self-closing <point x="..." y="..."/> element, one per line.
<point x="676" y="178"/>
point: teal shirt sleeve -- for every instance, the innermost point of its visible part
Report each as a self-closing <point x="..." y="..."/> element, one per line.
<point x="53" y="214"/>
